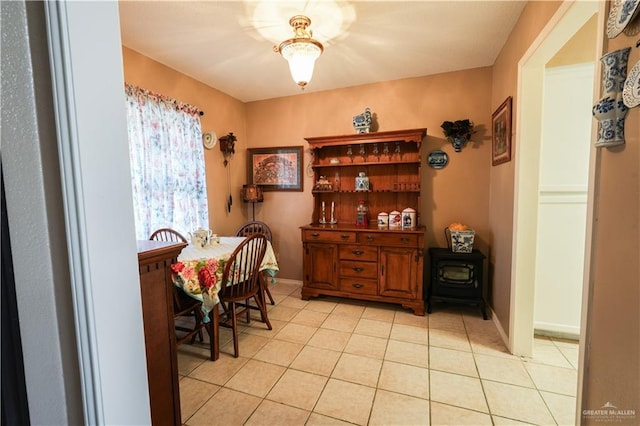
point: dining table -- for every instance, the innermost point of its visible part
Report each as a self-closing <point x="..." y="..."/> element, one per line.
<point x="192" y="258"/>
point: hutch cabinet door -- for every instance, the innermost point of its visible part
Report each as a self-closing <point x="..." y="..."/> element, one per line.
<point x="319" y="263"/>
<point x="399" y="272"/>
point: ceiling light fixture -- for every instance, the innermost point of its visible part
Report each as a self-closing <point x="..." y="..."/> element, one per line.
<point x="301" y="51"/>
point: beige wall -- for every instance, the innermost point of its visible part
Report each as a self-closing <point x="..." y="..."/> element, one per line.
<point x="459" y="192"/>
<point x="612" y="340"/>
<point x="612" y="370"/>
<point x="501" y="181"/>
<point x="456" y="193"/>
<point x="579" y="49"/>
<point x="223" y="114"/>
<point x="467" y="190"/>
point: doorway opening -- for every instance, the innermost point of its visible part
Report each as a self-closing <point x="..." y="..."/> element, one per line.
<point x="568" y="20"/>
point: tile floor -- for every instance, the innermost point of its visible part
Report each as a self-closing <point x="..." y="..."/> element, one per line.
<point x="332" y="361"/>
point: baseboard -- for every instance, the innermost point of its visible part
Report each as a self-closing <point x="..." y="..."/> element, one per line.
<point x="557" y="334"/>
<point x="288" y="281"/>
<point x="556" y="330"/>
<point x="496" y="322"/>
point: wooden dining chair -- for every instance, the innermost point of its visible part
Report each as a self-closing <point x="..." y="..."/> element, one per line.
<point x="241" y="282"/>
<point x="183" y="304"/>
<point x="254" y="227"/>
<point x="257" y="227"/>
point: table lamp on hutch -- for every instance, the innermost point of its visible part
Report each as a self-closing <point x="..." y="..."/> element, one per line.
<point x="252" y="194"/>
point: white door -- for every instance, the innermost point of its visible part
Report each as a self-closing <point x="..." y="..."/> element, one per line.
<point x="562" y="201"/>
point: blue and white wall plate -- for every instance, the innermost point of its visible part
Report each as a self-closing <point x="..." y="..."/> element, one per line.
<point x="631" y="91"/>
<point x="437" y="159"/>
<point x="621" y="13"/>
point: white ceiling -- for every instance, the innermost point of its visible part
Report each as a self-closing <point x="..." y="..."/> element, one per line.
<point x="228" y="45"/>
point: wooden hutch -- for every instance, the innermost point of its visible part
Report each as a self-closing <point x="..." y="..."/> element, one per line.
<point x="156" y="288"/>
<point x="365" y="262"/>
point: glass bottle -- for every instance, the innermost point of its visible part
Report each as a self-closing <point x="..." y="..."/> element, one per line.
<point x="362" y="214"/>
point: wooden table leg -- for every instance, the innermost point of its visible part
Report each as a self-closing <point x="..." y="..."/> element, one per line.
<point x="214" y="315"/>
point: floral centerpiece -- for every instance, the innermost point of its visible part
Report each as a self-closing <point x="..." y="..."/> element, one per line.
<point x="458" y="132"/>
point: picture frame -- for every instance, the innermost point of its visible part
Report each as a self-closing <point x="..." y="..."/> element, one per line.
<point x="275" y="169"/>
<point x="501" y="133"/>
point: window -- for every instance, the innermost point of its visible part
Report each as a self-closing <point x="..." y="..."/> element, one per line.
<point x="167" y="163"/>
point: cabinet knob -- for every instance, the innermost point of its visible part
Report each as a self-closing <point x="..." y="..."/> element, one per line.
<point x="357" y="252"/>
<point x="404" y="239"/>
<point x="315" y="235"/>
<point x="357" y="285"/>
<point x="358" y="269"/>
<point x="344" y="236"/>
<point x="370" y="238"/>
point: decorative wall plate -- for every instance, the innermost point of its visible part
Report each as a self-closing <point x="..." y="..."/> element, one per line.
<point x="209" y="139"/>
<point x="621" y="13"/>
<point x="631" y="91"/>
<point x="437" y="159"/>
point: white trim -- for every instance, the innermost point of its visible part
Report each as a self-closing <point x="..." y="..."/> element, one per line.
<point x="64" y="105"/>
<point x="98" y="204"/>
<point x="559" y="197"/>
<point x="583" y="69"/>
<point x="569" y="18"/>
<point x="564" y="188"/>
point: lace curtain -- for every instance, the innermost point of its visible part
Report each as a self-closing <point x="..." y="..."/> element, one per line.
<point x="167" y="163"/>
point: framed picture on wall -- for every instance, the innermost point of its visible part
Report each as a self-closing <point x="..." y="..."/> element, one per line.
<point x="501" y="131"/>
<point x="275" y="169"/>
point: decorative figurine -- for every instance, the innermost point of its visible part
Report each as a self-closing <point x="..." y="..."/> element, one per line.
<point x="362" y="122"/>
<point x="323" y="184"/>
<point x="362" y="182"/>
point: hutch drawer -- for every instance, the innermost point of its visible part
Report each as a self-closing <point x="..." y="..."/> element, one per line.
<point x="329" y="236"/>
<point x="359" y="252"/>
<point x="385" y="239"/>
<point x="351" y="268"/>
<point x="359" y="286"/>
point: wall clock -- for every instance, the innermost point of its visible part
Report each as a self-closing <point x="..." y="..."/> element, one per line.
<point x="209" y="139"/>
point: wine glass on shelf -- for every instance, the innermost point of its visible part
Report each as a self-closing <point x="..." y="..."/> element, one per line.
<point x="376" y="151"/>
<point x="385" y="150"/>
<point x="350" y="153"/>
<point x="363" y="153"/>
<point x="397" y="150"/>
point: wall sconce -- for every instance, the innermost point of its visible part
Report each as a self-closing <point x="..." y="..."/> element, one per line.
<point x="252" y="194"/>
<point x="458" y="132"/>
<point x="227" y="147"/>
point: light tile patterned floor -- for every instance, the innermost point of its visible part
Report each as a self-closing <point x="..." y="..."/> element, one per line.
<point x="331" y="361"/>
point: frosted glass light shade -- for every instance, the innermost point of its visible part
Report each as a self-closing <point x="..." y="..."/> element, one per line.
<point x="301" y="56"/>
<point x="301" y="51"/>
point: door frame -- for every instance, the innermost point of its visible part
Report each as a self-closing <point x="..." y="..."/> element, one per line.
<point x="568" y="19"/>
